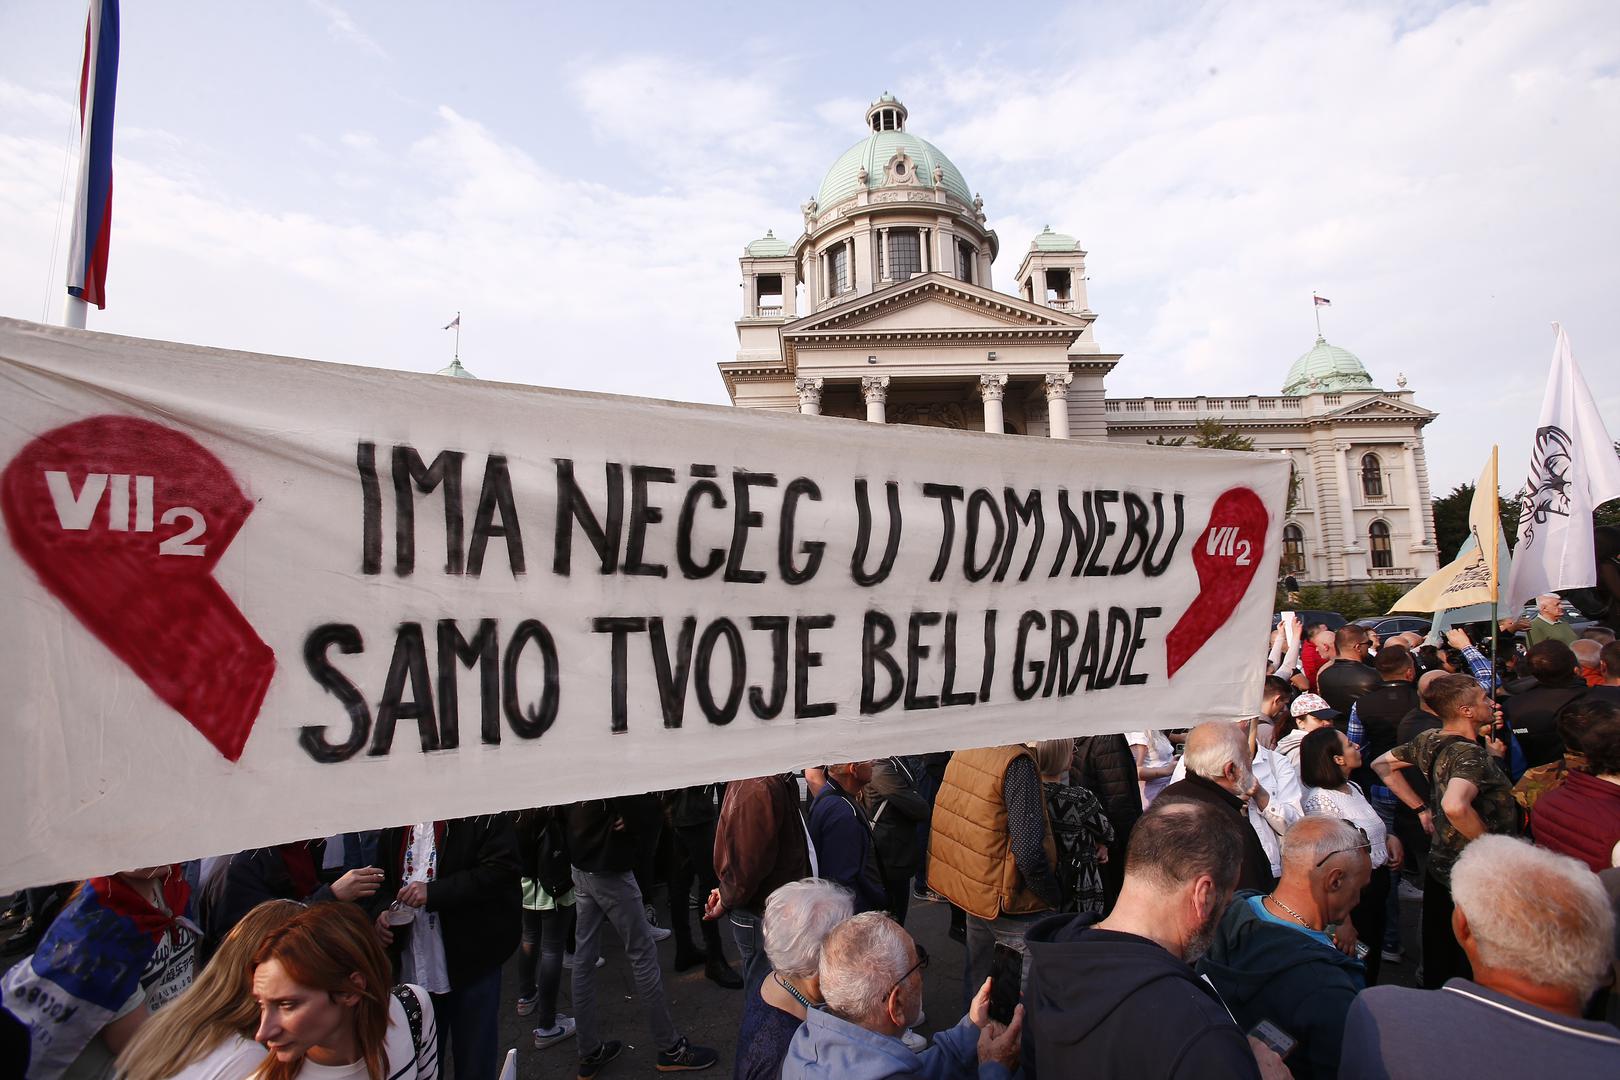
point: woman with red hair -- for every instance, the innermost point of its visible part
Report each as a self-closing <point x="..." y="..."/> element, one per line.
<point x="322" y="984"/>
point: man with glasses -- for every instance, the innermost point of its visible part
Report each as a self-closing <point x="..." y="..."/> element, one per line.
<point x="871" y="980"/>
<point x="1349" y="675"/>
<point x="1276" y="957"/>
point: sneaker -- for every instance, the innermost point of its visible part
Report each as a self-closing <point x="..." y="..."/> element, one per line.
<point x="925" y="895"/>
<point x="562" y="1029"/>
<point x="526" y="1003"/>
<point x="592" y="1064"/>
<point x="684" y="1057"/>
<point x="1408" y="892"/>
<point x="1392" y="956"/>
<point x="914" y="1042"/>
<point x="658" y="933"/>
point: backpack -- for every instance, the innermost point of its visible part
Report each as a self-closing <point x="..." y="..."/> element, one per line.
<point x="553" y="870"/>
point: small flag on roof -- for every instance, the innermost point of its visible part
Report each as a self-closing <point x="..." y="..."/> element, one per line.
<point x="1321" y="301"/>
<point x="454" y="323"/>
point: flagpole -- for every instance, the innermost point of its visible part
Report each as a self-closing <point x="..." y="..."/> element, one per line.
<point x="457" y="357"/>
<point x="1317" y="308"/>
<point x="1496" y="584"/>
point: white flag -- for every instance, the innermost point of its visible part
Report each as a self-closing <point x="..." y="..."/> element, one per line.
<point x="1573" y="468"/>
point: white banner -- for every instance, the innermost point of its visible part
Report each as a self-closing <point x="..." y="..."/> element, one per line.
<point x="247" y="600"/>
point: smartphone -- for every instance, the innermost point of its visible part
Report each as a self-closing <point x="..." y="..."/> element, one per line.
<point x="1006" y="981"/>
<point x="1275" y="1037"/>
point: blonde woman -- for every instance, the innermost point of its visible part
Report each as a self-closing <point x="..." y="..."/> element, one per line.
<point x="207" y="1033"/>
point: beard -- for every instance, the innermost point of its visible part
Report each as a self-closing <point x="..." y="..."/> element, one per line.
<point x="1199" y="943"/>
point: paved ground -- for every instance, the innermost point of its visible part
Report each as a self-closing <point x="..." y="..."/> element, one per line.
<point x="709" y="1015"/>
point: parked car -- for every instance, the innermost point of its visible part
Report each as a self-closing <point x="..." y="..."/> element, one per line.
<point x="1577" y="620"/>
<point x="1331" y="619"/>
<point x="1387" y="626"/>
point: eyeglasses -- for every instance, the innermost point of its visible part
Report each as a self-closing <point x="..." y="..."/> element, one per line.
<point x="922" y="962"/>
<point x="1365" y="845"/>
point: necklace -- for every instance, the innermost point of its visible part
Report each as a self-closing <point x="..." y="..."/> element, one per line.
<point x="1297" y="916"/>
<point x="793" y="991"/>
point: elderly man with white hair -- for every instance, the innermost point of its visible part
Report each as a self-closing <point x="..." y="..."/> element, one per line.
<point x="1276" y="956"/>
<point x="1539" y="932"/>
<point x="871" y="978"/>
<point x="1268" y="795"/>
<point x="798" y="918"/>
<point x="1548" y="623"/>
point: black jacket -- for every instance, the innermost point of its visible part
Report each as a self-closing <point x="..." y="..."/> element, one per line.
<point x="1256" y="870"/>
<point x="1342" y="684"/>
<point x="896" y="807"/>
<point x="1267" y="971"/>
<point x="594" y="843"/>
<point x="475" y="891"/>
<point x="1103" y="764"/>
<point x="1381" y="711"/>
<point x="251" y="878"/>
<point x="1102" y="1003"/>
<point x="1533" y="716"/>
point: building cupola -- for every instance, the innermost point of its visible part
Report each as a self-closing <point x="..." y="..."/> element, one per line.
<point x="886" y="114"/>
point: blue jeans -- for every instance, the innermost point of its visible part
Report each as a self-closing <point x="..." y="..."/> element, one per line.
<point x="750" y="950"/>
<point x="466" y="1018"/>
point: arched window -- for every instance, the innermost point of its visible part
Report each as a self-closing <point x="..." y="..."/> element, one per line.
<point x="1293" y="559"/>
<point x="1383" y="557"/>
<point x="1372" y="477"/>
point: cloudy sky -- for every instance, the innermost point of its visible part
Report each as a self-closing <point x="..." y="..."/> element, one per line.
<point x="336" y="180"/>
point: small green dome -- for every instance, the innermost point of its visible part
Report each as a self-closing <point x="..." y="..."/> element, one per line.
<point x="1329" y="368"/>
<point x="1054" y="241"/>
<point x="768" y="247"/>
<point x="889" y="137"/>
<point x="456" y="371"/>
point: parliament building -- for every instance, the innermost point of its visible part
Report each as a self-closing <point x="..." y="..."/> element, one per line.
<point x="885" y="308"/>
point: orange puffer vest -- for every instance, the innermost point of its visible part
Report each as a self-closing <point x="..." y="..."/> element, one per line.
<point x="970" y="859"/>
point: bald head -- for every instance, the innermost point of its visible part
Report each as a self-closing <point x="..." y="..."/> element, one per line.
<point x="1312" y="839"/>
<point x="1588" y="654"/>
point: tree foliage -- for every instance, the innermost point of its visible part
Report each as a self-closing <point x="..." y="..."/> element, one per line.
<point x="1451" y="520"/>
<point x="1210" y="434"/>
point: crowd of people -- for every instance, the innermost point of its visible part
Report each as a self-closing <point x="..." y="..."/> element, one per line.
<point x="1215" y="900"/>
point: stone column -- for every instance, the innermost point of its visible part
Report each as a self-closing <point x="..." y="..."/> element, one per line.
<point x="875" y="389"/>
<point x="925" y="237"/>
<point x="1418" y="519"/>
<point x="1057" y="404"/>
<point x="862" y="263"/>
<point x="991" y="389"/>
<point x="884" y="272"/>
<point x="1349" y="537"/>
<point x="809" y="395"/>
<point x="849" y="261"/>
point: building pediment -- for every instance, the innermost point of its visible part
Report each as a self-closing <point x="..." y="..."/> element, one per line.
<point x="936" y="301"/>
<point x="1381" y="408"/>
<point x="930" y="309"/>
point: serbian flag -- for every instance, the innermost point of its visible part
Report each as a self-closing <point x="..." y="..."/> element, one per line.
<point x="108" y="944"/>
<point x="1321" y="301"/>
<point x="92" y="209"/>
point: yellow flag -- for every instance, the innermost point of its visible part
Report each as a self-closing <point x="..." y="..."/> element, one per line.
<point x="1471" y="578"/>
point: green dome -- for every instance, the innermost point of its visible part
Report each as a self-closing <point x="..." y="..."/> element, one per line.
<point x="768" y="247"/>
<point x="1330" y="368"/>
<point x="874" y="153"/>
<point x="455" y="371"/>
<point x="1054" y="241"/>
